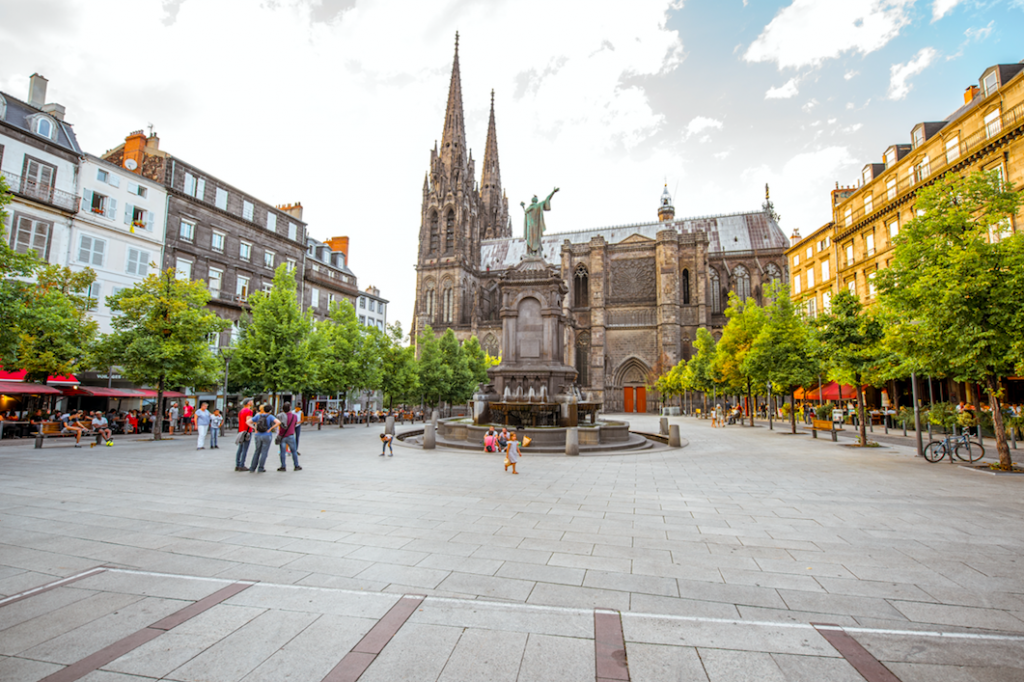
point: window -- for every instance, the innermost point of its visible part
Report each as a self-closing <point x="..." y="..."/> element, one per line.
<point x="195" y="187"/>
<point x="137" y="190"/>
<point x="428" y="303"/>
<point x="100" y="204"/>
<point x="291" y="265"/>
<point x="849" y="253"/>
<point x="912" y="174"/>
<point x="868" y="204"/>
<point x="890" y="157"/>
<point x="447" y="304"/>
<point x="810" y="252"/>
<point x="267" y="287"/>
<point x="242" y="287"/>
<point x="866" y="174"/>
<point x="772" y="274"/>
<point x="869" y="243"/>
<point x="918" y="137"/>
<point x="871" y="284"/>
<point x="825" y="274"/>
<point x="105" y="176"/>
<point x="852" y="286"/>
<point x="45" y="127"/>
<point x="435" y="236"/>
<point x="685" y="284"/>
<point x="581" y="287"/>
<point x="183" y="268"/>
<point x="268" y="259"/>
<point x="953" y="149"/>
<point x="137" y="262"/>
<point x="187" y="231"/>
<point x="221" y="201"/>
<point x="271" y="221"/>
<point x="989" y="84"/>
<point x="215" y="281"/>
<point x="890" y="189"/>
<point x="217" y="241"/>
<point x="293" y="231"/>
<point x="894" y="229"/>
<point x="796" y="260"/>
<point x="380" y="308"/>
<point x="812" y="306"/>
<point x="32" y="235"/>
<point x="362" y="319"/>
<point x="362" y="302"/>
<point x="330" y="301"/>
<point x="742" y="277"/>
<point x="247" y="210"/>
<point x="245" y="250"/>
<point x="849" y="217"/>
<point x="924" y="169"/>
<point x="993" y="124"/>
<point x="810" y="279"/>
<point x="796" y="283"/>
<point x="91" y="251"/>
<point x="314" y="297"/>
<point x="449" y="232"/>
<point x="93" y="294"/>
<point x="715" y="290"/>
<point x="826" y="300"/>
<point x="136" y="217"/>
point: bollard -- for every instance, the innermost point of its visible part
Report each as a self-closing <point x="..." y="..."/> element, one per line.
<point x="429" y="442"/>
<point x="434" y="417"/>
<point x="664" y="426"/>
<point x="39" y="441"/>
<point x="572" y="441"/>
<point x="673" y="436"/>
<point x="389" y="425"/>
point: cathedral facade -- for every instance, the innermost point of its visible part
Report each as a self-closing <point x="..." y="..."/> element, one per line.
<point x="636" y="293"/>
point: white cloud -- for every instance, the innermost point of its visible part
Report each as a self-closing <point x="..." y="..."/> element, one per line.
<point x="941" y="8"/>
<point x="850" y="74"/>
<point x="700" y="125"/>
<point x="980" y="33"/>
<point x="853" y="128"/>
<point x="353" y="117"/>
<point x="899" y="74"/>
<point x="808" y="32"/>
<point x="810" y="105"/>
<point x="722" y="155"/>
<point x="784" y="91"/>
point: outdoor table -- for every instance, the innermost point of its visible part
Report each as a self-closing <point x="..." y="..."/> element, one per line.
<point x="15" y="429"/>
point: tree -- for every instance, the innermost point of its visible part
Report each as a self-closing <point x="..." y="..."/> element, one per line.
<point x="956" y="286"/>
<point x="339" y="345"/>
<point x="459" y="381"/>
<point x="273" y="349"/>
<point x="15" y="270"/>
<point x="746" y="319"/>
<point x="398" y="368"/>
<point x="161" y="335"/>
<point x="699" y="375"/>
<point x="850" y="345"/>
<point x="433" y="374"/>
<point x="782" y="351"/>
<point x="476" y="359"/>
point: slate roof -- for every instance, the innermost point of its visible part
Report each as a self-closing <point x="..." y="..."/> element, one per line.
<point x="753" y="231"/>
<point x="18" y="114"/>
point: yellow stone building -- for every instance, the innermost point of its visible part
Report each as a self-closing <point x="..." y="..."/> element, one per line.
<point x="986" y="133"/>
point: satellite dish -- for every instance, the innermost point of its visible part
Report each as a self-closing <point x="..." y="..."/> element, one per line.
<point x="130" y="164"/>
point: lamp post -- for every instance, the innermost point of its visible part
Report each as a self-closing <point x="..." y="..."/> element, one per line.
<point x="770" y="408"/>
<point x="917" y="415"/>
<point x="226" y="354"/>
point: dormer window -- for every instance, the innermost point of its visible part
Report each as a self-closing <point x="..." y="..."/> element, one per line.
<point x="44" y="127"/>
<point x="890" y="158"/>
<point x="989" y="84"/>
<point x="3" y="108"/>
<point x="918" y="137"/>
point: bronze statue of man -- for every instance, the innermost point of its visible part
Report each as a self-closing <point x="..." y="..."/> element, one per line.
<point x="534" y="222"/>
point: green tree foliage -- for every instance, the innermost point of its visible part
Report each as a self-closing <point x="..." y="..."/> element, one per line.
<point x="850" y="347"/>
<point x="339" y="347"/>
<point x="15" y="269"/>
<point x="956" y="286"/>
<point x="476" y="360"/>
<point x="460" y="383"/>
<point x="782" y="352"/>
<point x="746" y="319"/>
<point x="273" y="349"/>
<point x="433" y="374"/>
<point x="55" y="329"/>
<point x="699" y="375"/>
<point x="161" y="335"/>
<point x="398" y="368"/>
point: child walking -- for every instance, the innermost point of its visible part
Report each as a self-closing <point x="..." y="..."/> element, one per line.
<point x="215" y="421"/>
<point x="512" y="453"/>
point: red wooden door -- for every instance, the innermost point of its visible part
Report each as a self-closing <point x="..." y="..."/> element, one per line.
<point x="641" y="399"/>
<point x="628" y="399"/>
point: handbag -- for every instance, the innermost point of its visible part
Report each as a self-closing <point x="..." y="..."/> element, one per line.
<point x="242" y="437"/>
<point x="526" y="441"/>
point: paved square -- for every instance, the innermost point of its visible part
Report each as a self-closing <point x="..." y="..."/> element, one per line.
<point x="719" y="556"/>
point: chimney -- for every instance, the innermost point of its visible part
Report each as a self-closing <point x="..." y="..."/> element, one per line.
<point x="795" y="238"/>
<point x="135" y="150"/>
<point x="339" y="244"/>
<point x="970" y="93"/>
<point x="294" y="210"/>
<point x="37" y="91"/>
<point x="152" y="143"/>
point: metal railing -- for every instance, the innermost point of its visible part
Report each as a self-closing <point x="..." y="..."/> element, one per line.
<point x="1009" y="120"/>
<point x="30" y="189"/>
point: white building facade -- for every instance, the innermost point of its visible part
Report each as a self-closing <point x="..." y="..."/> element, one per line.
<point x="372" y="309"/>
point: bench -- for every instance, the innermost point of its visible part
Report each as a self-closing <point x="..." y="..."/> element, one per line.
<point x="53" y="430"/>
<point x="825" y="425"/>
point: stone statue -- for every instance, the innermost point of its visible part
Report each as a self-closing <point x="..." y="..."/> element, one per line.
<point x="534" y="222"/>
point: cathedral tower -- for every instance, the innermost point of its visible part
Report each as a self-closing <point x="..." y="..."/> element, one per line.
<point x="493" y="201"/>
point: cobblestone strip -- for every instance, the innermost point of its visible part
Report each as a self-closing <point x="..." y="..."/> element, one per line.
<point x="870" y="668"/>
<point x="609" y="647"/>
<point x="356" y="661"/>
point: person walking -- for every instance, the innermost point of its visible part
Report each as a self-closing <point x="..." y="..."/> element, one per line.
<point x="297" y="411"/>
<point x="244" y="436"/>
<point x="215" y="421"/>
<point x="172" y="416"/>
<point x="202" y="419"/>
<point x="187" y="418"/>
<point x="386" y="439"/>
<point x="263" y="425"/>
<point x="286" y="437"/>
<point x="512" y="453"/>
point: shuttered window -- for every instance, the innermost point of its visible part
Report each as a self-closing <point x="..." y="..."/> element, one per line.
<point x="32" y="235"/>
<point x="91" y="251"/>
<point x="137" y="262"/>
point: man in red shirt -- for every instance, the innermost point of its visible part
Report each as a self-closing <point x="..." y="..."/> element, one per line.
<point x="244" y="436"/>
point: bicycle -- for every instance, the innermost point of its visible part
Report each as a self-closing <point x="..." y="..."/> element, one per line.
<point x="937" y="450"/>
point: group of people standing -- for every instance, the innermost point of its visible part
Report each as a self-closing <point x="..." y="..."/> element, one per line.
<point x="263" y="427"/>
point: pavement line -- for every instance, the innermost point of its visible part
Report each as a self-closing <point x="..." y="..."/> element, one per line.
<point x="870" y="668"/>
<point x="355" y="662"/>
<point x="52" y="585"/>
<point x="609" y="647"/>
<point x="95" y="661"/>
<point x="579" y="611"/>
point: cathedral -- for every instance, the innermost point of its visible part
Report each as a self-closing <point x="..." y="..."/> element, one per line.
<point x="636" y="293"/>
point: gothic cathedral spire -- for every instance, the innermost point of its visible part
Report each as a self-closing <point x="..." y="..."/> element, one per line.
<point x="495" y="204"/>
<point x="453" y="139"/>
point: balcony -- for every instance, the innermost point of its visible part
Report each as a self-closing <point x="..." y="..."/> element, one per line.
<point x="30" y="189"/>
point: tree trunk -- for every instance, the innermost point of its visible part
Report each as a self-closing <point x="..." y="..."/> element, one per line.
<point x="158" y="422"/>
<point x="1005" y="461"/>
<point x="750" y="403"/>
<point x="860" y="412"/>
<point x="341" y="412"/>
<point x="704" y="414"/>
<point x="792" y="409"/>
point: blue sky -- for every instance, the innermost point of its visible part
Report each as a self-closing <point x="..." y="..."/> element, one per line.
<point x="337" y="103"/>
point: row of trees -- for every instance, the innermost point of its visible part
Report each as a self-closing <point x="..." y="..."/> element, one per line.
<point x="162" y="333"/>
<point x="951" y="304"/>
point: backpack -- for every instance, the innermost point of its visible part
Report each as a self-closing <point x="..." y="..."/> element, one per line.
<point x="262" y="423"/>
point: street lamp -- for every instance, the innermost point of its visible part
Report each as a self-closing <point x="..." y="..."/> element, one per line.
<point x="225" y="353"/>
<point x="917" y="414"/>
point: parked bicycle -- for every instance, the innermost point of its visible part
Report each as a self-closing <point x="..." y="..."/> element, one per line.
<point x="965" y="448"/>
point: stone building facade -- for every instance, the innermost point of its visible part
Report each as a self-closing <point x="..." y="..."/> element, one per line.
<point x="636" y="294"/>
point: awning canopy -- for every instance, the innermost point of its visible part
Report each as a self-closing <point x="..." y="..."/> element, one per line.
<point x="150" y="393"/>
<point x="829" y="391"/>
<point x="102" y="392"/>
<point x="22" y="388"/>
<point x="20" y="376"/>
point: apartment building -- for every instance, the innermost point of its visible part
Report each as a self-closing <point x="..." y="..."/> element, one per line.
<point x="812" y="268"/>
<point x="326" y="276"/>
<point x="372" y="309"/>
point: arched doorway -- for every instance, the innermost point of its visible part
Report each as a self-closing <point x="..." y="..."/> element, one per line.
<point x="632" y="380"/>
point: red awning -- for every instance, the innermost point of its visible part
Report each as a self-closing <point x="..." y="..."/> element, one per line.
<point x="102" y="392"/>
<point x="150" y="393"/>
<point x="20" y="376"/>
<point x="22" y="388"/>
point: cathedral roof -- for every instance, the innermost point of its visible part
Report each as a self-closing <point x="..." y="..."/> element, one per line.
<point x="753" y="231"/>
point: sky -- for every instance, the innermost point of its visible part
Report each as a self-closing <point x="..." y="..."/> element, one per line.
<point x="337" y="103"/>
